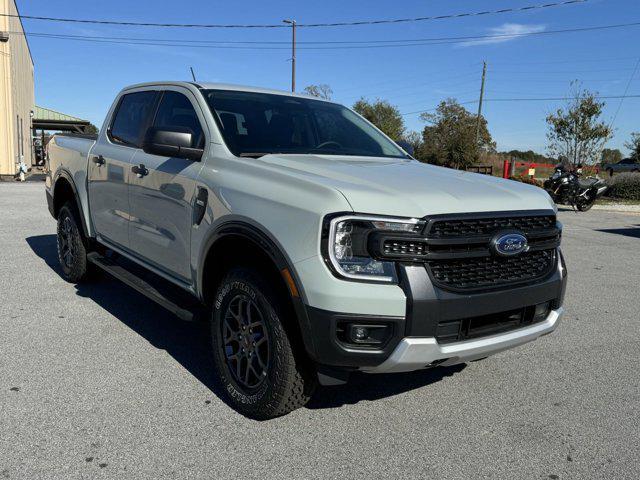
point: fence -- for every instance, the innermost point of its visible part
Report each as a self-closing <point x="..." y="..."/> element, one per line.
<point x="512" y="168"/>
<point x="484" y="169"/>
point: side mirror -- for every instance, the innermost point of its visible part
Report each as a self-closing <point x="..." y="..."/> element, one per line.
<point x="171" y="142"/>
<point x="406" y="146"/>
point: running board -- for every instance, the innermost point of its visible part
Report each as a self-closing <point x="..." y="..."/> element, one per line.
<point x="173" y="298"/>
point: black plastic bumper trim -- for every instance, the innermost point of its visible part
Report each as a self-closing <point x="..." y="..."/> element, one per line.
<point x="331" y="352"/>
<point x="427" y="306"/>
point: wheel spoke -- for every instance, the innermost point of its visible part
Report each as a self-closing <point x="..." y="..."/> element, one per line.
<point x="246" y="373"/>
<point x="238" y="367"/>
<point x="247" y="318"/>
<point x="228" y="333"/>
<point x="261" y="363"/>
<point x="245" y="341"/>
<point x="255" y="373"/>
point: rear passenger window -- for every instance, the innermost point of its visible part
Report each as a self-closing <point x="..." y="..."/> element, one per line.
<point x="132" y="117"/>
<point x="176" y="110"/>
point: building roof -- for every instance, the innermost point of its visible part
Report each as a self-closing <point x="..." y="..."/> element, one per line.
<point x="47" y="114"/>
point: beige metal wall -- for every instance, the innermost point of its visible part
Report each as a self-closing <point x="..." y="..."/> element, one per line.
<point x="16" y="94"/>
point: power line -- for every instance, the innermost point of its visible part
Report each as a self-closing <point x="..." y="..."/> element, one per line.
<point x="547" y="72"/>
<point x="523" y="100"/>
<point x="325" y="45"/>
<point x="307" y="25"/>
<point x="245" y="45"/>
<point x="633" y="74"/>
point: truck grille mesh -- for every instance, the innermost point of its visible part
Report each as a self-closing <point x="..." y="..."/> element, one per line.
<point x="473" y="273"/>
<point x="482" y="270"/>
<point x="484" y="226"/>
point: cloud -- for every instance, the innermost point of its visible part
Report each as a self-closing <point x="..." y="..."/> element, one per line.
<point x="505" y="33"/>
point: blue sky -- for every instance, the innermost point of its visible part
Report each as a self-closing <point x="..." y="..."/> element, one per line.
<point x="81" y="78"/>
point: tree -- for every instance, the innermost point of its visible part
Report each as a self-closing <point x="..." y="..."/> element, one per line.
<point x="320" y="91"/>
<point x="610" y="156"/>
<point x="92" y="129"/>
<point x="634" y="146"/>
<point x="528" y="156"/>
<point x="383" y="115"/>
<point x="450" y="139"/>
<point x="414" y="139"/>
<point x="575" y="132"/>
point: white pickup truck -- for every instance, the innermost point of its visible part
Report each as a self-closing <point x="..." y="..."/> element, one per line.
<point x="312" y="244"/>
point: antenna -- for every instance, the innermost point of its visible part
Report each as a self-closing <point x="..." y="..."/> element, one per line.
<point x="192" y="74"/>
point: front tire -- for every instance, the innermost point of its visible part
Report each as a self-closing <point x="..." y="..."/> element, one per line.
<point x="260" y="374"/>
<point x="72" y="251"/>
<point x="585" y="205"/>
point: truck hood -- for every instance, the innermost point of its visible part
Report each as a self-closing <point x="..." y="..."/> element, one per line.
<point x="408" y="188"/>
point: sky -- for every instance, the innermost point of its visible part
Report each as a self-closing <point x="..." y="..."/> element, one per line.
<point x="81" y="78"/>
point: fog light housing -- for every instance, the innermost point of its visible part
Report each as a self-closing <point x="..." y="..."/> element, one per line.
<point x="542" y="311"/>
<point x="364" y="335"/>
<point x="358" y="333"/>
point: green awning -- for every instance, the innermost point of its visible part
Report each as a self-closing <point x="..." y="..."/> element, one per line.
<point x="49" y="115"/>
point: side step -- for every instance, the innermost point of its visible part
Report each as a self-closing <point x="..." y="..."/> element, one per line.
<point x="173" y="298"/>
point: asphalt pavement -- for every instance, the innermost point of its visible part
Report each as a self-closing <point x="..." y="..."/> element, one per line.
<point x="99" y="382"/>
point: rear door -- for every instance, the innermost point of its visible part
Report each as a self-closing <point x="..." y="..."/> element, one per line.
<point x="162" y="198"/>
<point x="110" y="164"/>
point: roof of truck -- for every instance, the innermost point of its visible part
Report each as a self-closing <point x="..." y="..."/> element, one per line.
<point x="224" y="86"/>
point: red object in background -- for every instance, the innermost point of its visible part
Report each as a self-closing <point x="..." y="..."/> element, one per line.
<point x="505" y="169"/>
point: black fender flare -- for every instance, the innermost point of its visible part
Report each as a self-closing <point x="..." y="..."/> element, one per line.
<point x="260" y="236"/>
<point x="63" y="173"/>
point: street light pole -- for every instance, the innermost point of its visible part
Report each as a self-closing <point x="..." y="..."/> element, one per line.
<point x="293" y="53"/>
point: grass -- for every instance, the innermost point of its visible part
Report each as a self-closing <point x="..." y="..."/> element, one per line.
<point x="617" y="201"/>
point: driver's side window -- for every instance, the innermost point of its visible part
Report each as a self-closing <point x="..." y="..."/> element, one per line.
<point x="175" y="110"/>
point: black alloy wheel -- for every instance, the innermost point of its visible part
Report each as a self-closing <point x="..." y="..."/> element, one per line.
<point x="246" y="342"/>
<point x="72" y="245"/>
<point x="66" y="242"/>
<point x="263" y="372"/>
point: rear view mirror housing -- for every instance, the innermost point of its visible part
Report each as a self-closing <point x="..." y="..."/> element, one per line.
<point x="171" y="142"/>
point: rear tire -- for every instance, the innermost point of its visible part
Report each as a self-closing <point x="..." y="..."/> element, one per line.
<point x="586" y="205"/>
<point x="72" y="250"/>
<point x="255" y="363"/>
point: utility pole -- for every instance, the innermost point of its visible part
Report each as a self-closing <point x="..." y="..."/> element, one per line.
<point x="484" y="73"/>
<point x="293" y="53"/>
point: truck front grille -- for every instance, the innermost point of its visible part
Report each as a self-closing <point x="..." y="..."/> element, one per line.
<point x="487" y="272"/>
<point x="459" y="256"/>
<point x="469" y="227"/>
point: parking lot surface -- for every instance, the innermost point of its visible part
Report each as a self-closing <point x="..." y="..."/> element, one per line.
<point x="99" y="382"/>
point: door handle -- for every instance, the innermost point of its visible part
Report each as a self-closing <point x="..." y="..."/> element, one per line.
<point x="98" y="160"/>
<point x="140" y="170"/>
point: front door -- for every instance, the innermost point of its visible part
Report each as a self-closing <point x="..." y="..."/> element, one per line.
<point x="162" y="195"/>
<point x="110" y="163"/>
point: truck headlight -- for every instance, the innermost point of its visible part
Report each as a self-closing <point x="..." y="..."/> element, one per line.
<point x="346" y="245"/>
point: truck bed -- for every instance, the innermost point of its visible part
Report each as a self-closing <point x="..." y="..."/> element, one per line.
<point x="69" y="153"/>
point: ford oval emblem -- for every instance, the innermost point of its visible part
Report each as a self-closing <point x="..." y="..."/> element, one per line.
<point x="507" y="244"/>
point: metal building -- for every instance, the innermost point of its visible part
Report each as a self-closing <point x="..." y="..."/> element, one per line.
<point x="17" y="98"/>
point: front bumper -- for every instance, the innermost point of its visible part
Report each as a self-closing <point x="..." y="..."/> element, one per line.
<point x="413" y="342"/>
<point x="417" y="353"/>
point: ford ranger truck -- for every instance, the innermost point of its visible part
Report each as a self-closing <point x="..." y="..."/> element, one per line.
<point x="311" y="243"/>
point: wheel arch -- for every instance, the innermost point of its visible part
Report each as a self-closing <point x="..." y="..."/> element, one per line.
<point x="63" y="190"/>
<point x="220" y="252"/>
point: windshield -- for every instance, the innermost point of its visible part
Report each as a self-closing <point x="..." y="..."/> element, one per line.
<point x="255" y="124"/>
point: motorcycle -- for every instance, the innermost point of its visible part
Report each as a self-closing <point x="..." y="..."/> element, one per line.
<point x="566" y="187"/>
